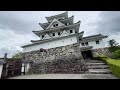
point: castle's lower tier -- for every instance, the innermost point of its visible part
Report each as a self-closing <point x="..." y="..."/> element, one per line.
<point x="51" y="43"/>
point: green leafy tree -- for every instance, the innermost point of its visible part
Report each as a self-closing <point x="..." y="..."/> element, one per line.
<point x="113" y="45"/>
<point x="17" y="55"/>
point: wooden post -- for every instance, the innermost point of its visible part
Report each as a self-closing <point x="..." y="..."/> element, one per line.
<point x="5" y="57"/>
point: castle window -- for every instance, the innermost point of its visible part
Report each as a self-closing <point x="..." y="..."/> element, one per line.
<point x="83" y="44"/>
<point x="55" y="25"/>
<point x="97" y="42"/>
<point x="66" y="23"/>
<point x="42" y="36"/>
<point x="86" y="43"/>
<point x="53" y="34"/>
<point x="59" y="19"/>
<point x="71" y="31"/>
<point x="75" y="31"/>
<point x="58" y="33"/>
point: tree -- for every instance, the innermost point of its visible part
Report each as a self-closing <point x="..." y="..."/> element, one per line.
<point x="17" y="55"/>
<point x="114" y="49"/>
<point x="112" y="43"/>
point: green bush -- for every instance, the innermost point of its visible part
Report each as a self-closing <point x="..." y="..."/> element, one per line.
<point x="116" y="54"/>
<point x="101" y="57"/>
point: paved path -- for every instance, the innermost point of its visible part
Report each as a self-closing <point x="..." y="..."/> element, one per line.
<point x="67" y="76"/>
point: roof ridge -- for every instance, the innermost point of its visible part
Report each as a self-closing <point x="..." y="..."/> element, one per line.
<point x="57" y="15"/>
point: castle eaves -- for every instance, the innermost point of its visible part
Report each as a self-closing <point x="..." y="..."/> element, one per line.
<point x="42" y="41"/>
<point x="73" y="26"/>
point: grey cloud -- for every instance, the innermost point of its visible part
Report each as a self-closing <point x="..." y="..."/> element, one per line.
<point x="19" y="22"/>
<point x="109" y="22"/>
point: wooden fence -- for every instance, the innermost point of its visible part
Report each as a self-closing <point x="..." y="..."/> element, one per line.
<point x="11" y="68"/>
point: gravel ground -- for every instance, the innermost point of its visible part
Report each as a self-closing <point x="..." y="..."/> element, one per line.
<point x="66" y="76"/>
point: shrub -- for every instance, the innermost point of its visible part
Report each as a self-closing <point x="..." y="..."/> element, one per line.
<point x="116" y="54"/>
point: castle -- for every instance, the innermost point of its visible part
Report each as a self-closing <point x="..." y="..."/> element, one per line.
<point x="60" y="30"/>
<point x="59" y="40"/>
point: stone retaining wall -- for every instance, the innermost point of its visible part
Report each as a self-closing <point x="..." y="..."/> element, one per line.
<point x="101" y="51"/>
<point x="54" y="54"/>
<point x="62" y="66"/>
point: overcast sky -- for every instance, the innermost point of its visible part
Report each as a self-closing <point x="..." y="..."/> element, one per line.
<point x="16" y="26"/>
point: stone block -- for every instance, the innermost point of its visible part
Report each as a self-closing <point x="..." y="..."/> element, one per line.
<point x="70" y="50"/>
<point x="63" y="48"/>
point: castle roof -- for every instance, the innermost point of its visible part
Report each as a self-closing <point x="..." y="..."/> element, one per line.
<point x="73" y="26"/>
<point x="65" y="15"/>
<point x="70" y="20"/>
<point x="93" y="38"/>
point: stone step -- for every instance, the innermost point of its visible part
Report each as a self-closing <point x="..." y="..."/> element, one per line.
<point x="88" y="63"/>
<point x="98" y="67"/>
<point x="99" y="71"/>
<point x="93" y="61"/>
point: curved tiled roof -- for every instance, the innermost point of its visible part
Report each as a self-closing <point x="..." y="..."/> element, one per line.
<point x="93" y="38"/>
<point x="65" y="14"/>
<point x="70" y="20"/>
<point x="58" y="28"/>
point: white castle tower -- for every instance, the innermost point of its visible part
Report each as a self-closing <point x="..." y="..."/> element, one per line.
<point x="60" y="30"/>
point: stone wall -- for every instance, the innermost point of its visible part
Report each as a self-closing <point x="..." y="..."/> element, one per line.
<point x="61" y="66"/>
<point x="54" y="54"/>
<point x="101" y="51"/>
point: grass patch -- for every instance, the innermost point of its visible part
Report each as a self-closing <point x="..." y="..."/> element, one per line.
<point x="114" y="64"/>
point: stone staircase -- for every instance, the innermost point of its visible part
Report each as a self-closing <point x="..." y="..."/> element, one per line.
<point x="97" y="67"/>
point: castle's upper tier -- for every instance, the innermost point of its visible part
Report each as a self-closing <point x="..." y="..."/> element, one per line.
<point x="59" y="17"/>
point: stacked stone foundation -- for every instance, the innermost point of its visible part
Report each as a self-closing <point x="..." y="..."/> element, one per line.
<point x="64" y="59"/>
<point x="101" y="51"/>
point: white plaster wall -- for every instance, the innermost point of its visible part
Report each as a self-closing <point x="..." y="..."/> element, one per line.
<point x="51" y="44"/>
<point x="95" y="46"/>
<point x="56" y="34"/>
<point x="1" y="67"/>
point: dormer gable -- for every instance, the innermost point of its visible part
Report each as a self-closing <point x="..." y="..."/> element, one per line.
<point x="64" y="33"/>
<point x="47" y="36"/>
<point x="55" y="23"/>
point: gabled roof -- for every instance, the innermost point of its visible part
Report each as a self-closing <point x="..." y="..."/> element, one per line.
<point x="70" y="20"/>
<point x="55" y="20"/>
<point x="65" y="14"/>
<point x="73" y="26"/>
<point x="93" y="38"/>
